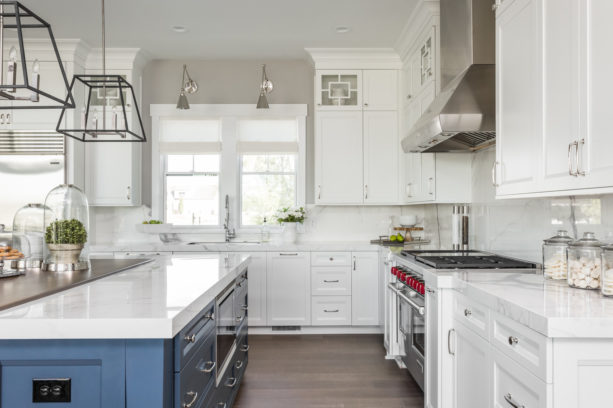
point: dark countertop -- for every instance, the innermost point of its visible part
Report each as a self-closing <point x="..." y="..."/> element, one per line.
<point x="36" y="284"/>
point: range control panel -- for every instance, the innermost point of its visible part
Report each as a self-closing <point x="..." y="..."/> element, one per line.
<point x="51" y="390"/>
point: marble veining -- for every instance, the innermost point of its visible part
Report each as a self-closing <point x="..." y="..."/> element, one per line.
<point x="155" y="300"/>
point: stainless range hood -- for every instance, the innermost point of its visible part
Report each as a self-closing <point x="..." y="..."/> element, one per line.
<point x="462" y="118"/>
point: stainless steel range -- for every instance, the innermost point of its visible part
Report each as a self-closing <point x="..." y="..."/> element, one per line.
<point x="409" y="301"/>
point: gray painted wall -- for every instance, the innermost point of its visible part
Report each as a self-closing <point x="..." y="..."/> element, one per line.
<point x="233" y="81"/>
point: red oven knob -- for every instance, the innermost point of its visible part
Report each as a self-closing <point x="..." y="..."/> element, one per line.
<point x="394" y="270"/>
<point x="422" y="288"/>
<point x="403" y="277"/>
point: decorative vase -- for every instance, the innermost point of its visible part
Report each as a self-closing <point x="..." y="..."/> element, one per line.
<point x="289" y="232"/>
<point x="65" y="253"/>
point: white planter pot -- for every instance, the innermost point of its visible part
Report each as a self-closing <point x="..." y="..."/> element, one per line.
<point x="288" y="236"/>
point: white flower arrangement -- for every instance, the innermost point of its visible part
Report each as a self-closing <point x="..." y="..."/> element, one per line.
<point x="290" y="214"/>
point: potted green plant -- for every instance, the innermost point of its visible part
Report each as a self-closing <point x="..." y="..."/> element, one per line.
<point x="65" y="240"/>
<point x="289" y="217"/>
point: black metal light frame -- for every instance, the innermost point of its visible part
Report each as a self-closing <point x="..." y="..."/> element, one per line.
<point x="19" y="12"/>
<point x="88" y="134"/>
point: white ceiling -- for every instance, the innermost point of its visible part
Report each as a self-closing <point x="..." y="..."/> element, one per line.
<point x="228" y="29"/>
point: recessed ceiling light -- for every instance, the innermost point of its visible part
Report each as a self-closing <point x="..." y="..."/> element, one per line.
<point x="179" y="29"/>
<point x="343" y="29"/>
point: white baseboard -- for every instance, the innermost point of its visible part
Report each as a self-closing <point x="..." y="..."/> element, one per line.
<point x="318" y="330"/>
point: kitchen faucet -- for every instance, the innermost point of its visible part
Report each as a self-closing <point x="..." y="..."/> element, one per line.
<point x="230" y="233"/>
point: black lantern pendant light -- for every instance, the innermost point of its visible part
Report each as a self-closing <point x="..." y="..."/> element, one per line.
<point x="105" y="107"/>
<point x="20" y="87"/>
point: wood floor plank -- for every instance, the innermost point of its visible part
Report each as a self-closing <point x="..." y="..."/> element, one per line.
<point x="324" y="371"/>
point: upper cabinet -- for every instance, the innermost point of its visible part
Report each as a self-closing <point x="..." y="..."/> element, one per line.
<point x="357" y="143"/>
<point x="338" y="90"/>
<point x="553" y="89"/>
<point x="113" y="170"/>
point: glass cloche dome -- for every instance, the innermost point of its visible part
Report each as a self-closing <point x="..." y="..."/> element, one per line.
<point x="66" y="229"/>
<point x="28" y="235"/>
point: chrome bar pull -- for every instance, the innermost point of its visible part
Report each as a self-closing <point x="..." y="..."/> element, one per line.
<point x="331" y="311"/>
<point x="572" y="145"/>
<point x="509" y="398"/>
<point x="210" y="367"/>
<point x="231" y="382"/>
<point x="580" y="171"/>
<point x="331" y="281"/>
<point x="194" y="396"/>
<point x="449" y="341"/>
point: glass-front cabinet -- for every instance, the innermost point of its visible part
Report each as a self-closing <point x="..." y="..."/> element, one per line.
<point x="338" y="90"/>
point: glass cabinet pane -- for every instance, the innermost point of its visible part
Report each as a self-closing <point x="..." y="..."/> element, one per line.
<point x="339" y="90"/>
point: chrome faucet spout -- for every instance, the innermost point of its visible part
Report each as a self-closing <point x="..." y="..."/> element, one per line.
<point x="229" y="232"/>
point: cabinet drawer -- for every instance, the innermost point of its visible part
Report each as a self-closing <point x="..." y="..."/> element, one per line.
<point x="528" y="348"/>
<point x="474" y="315"/>
<point x="331" y="259"/>
<point x="331" y="310"/>
<point x="187" y="342"/>
<point x="514" y="386"/>
<point x="197" y="378"/>
<point x="334" y="280"/>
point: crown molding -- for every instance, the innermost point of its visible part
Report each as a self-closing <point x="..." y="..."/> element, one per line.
<point x="71" y="50"/>
<point x="354" y="58"/>
<point x="425" y="14"/>
<point x="118" y="58"/>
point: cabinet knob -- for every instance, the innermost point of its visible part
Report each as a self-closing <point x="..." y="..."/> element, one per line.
<point x="365" y="104"/>
<point x="190" y="339"/>
<point x="513" y="340"/>
<point x="467" y="312"/>
<point x="409" y="96"/>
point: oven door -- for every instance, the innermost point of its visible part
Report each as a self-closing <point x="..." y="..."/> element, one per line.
<point x="411" y="311"/>
<point x="226" y="329"/>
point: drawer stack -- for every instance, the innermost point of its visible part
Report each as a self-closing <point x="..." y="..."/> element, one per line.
<point x="331" y="288"/>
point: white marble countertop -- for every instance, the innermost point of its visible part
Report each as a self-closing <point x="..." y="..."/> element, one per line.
<point x="551" y="308"/>
<point x="154" y="300"/>
<point x="237" y="246"/>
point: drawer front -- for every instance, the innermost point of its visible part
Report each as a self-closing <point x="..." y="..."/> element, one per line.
<point x="515" y="386"/>
<point x="474" y="315"/>
<point x="331" y="310"/>
<point x="241" y="304"/>
<point x="334" y="281"/>
<point x="528" y="348"/>
<point x="330" y="258"/>
<point x="197" y="378"/>
<point x="187" y="342"/>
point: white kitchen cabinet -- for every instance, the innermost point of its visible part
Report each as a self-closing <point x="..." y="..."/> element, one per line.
<point x="113" y="174"/>
<point x="339" y="158"/>
<point x="513" y="386"/>
<point x="518" y="98"/>
<point x="338" y="90"/>
<point x="381" y="146"/>
<point x="331" y="310"/>
<point x="437" y="178"/>
<point x="288" y="289"/>
<point x="364" y="289"/>
<point x="257" y="289"/>
<point x="471" y="368"/>
<point x="380" y="89"/>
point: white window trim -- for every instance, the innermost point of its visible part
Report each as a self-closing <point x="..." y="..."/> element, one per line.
<point x="229" y="170"/>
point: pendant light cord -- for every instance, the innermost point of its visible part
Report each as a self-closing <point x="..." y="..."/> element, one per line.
<point x="103" y="67"/>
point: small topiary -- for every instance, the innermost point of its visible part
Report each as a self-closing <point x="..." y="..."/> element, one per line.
<point x="66" y="232"/>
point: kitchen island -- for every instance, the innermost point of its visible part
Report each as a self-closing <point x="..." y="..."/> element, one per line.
<point x="144" y="337"/>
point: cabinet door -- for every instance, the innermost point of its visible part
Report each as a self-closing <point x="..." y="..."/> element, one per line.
<point x="596" y="143"/>
<point x="339" y="158"/>
<point x="112" y="173"/>
<point x="471" y="369"/>
<point x="338" y="90"/>
<point x="561" y="93"/>
<point x="381" y="146"/>
<point x="416" y="84"/>
<point x="257" y="289"/>
<point x="428" y="177"/>
<point x="513" y="386"/>
<point x="365" y="289"/>
<point x="518" y="98"/>
<point x="288" y="289"/>
<point x="380" y="89"/>
<point x="412" y="188"/>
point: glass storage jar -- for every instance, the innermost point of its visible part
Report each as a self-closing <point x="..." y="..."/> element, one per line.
<point x="554" y="255"/>
<point x="66" y="230"/>
<point x="28" y="235"/>
<point x="584" y="262"/>
<point x="606" y="284"/>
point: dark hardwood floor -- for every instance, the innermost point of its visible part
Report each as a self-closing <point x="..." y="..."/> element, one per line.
<point x="331" y="371"/>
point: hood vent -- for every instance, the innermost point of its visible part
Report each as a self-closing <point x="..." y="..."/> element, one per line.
<point x="462" y="118"/>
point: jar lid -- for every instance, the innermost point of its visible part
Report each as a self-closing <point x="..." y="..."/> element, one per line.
<point x="561" y="237"/>
<point x="588" y="241"/>
<point x="608" y="247"/>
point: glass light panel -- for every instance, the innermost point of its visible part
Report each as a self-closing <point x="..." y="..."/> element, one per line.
<point x="206" y="163"/>
<point x="264" y="194"/>
<point x="179" y="163"/>
<point x="192" y="200"/>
